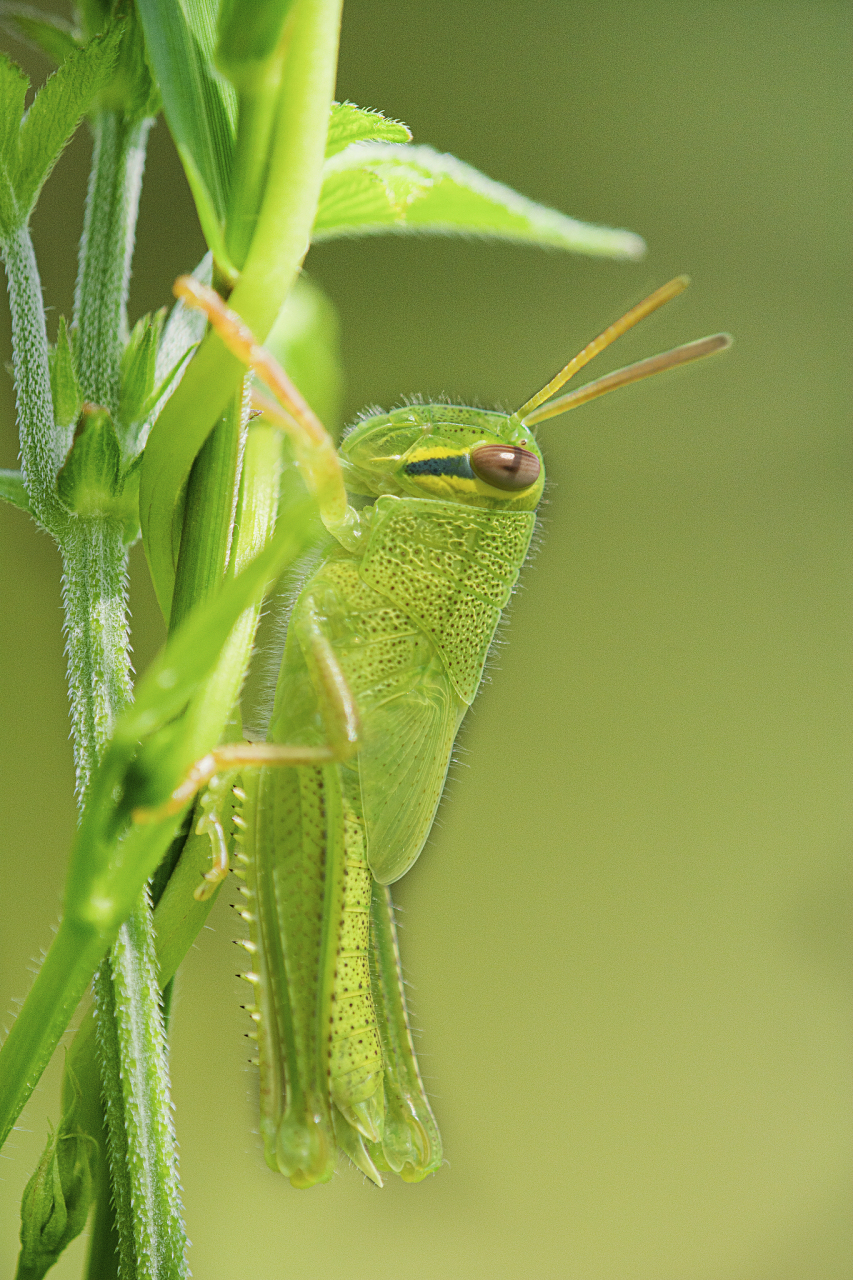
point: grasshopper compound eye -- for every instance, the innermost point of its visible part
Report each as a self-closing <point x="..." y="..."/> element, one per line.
<point x="505" y="467"/>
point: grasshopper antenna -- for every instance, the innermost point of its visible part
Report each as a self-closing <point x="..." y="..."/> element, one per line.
<point x="536" y="410"/>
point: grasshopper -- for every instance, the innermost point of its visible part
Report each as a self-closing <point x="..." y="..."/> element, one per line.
<point x="384" y="654"/>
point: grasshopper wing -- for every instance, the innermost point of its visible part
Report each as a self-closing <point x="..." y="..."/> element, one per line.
<point x="450" y="569"/>
<point x="406" y="746"/>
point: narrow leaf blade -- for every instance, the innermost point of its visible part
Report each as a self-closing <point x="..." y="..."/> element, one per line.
<point x="377" y="187"/>
<point x="138" y="368"/>
<point x="200" y="107"/>
<point x="64" y="387"/>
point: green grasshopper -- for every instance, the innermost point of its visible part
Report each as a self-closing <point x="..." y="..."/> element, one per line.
<point x="385" y="651"/>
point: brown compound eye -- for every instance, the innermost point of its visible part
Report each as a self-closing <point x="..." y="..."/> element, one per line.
<point x="505" y="466"/>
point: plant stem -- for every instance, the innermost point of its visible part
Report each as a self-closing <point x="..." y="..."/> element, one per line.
<point x="254" y="128"/>
<point x="106" y="875"/>
<point x="103" y="1260"/>
<point x="94" y="590"/>
<point x="43" y="445"/>
<point x="134" y="1075"/>
<point x="134" y="1079"/>
<point x="106" y="249"/>
<point x="283" y="231"/>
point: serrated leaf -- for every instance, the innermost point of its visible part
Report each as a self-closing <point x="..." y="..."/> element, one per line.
<point x="13" y="89"/>
<point x="349" y="123"/>
<point x="374" y="187"/>
<point x="12" y="490"/>
<point x="91" y="477"/>
<point x="200" y="107"/>
<point x="47" y="32"/>
<point x="56" y="112"/>
<point x="64" y="387"/>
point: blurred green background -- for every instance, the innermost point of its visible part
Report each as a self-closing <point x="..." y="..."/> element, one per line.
<point x="627" y="939"/>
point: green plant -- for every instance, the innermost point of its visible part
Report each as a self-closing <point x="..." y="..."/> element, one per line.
<point x="145" y="430"/>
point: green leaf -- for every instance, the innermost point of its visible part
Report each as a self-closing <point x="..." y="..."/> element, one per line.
<point x="56" y="112"/>
<point x="192" y="651"/>
<point x="349" y="123"/>
<point x="248" y="36"/>
<point x="200" y="107"/>
<point x="131" y="89"/>
<point x="111" y="860"/>
<point x="305" y="339"/>
<point x="124" y="507"/>
<point x="176" y="340"/>
<point x="13" y="89"/>
<point x="377" y="187"/>
<point x="47" y="32"/>
<point x="137" y="1108"/>
<point x="64" y="387"/>
<point x="185" y="327"/>
<point x="12" y="490"/>
<point x="58" y="1196"/>
<point x="90" y="478"/>
<point x="157" y="399"/>
<point x="138" y="368"/>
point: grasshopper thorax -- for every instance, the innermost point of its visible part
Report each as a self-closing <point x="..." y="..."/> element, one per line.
<point x="449" y="452"/>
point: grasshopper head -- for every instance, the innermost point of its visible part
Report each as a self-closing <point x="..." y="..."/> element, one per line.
<point x="491" y="459"/>
<point x="445" y="451"/>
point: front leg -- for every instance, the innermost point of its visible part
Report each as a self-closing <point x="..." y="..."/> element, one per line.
<point x="313" y="446"/>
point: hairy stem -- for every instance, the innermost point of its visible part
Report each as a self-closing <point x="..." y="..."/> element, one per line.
<point x="106" y="249"/>
<point x="134" y="1080"/>
<point x="134" y="1075"/>
<point x="94" y="590"/>
<point x="43" y="445"/>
